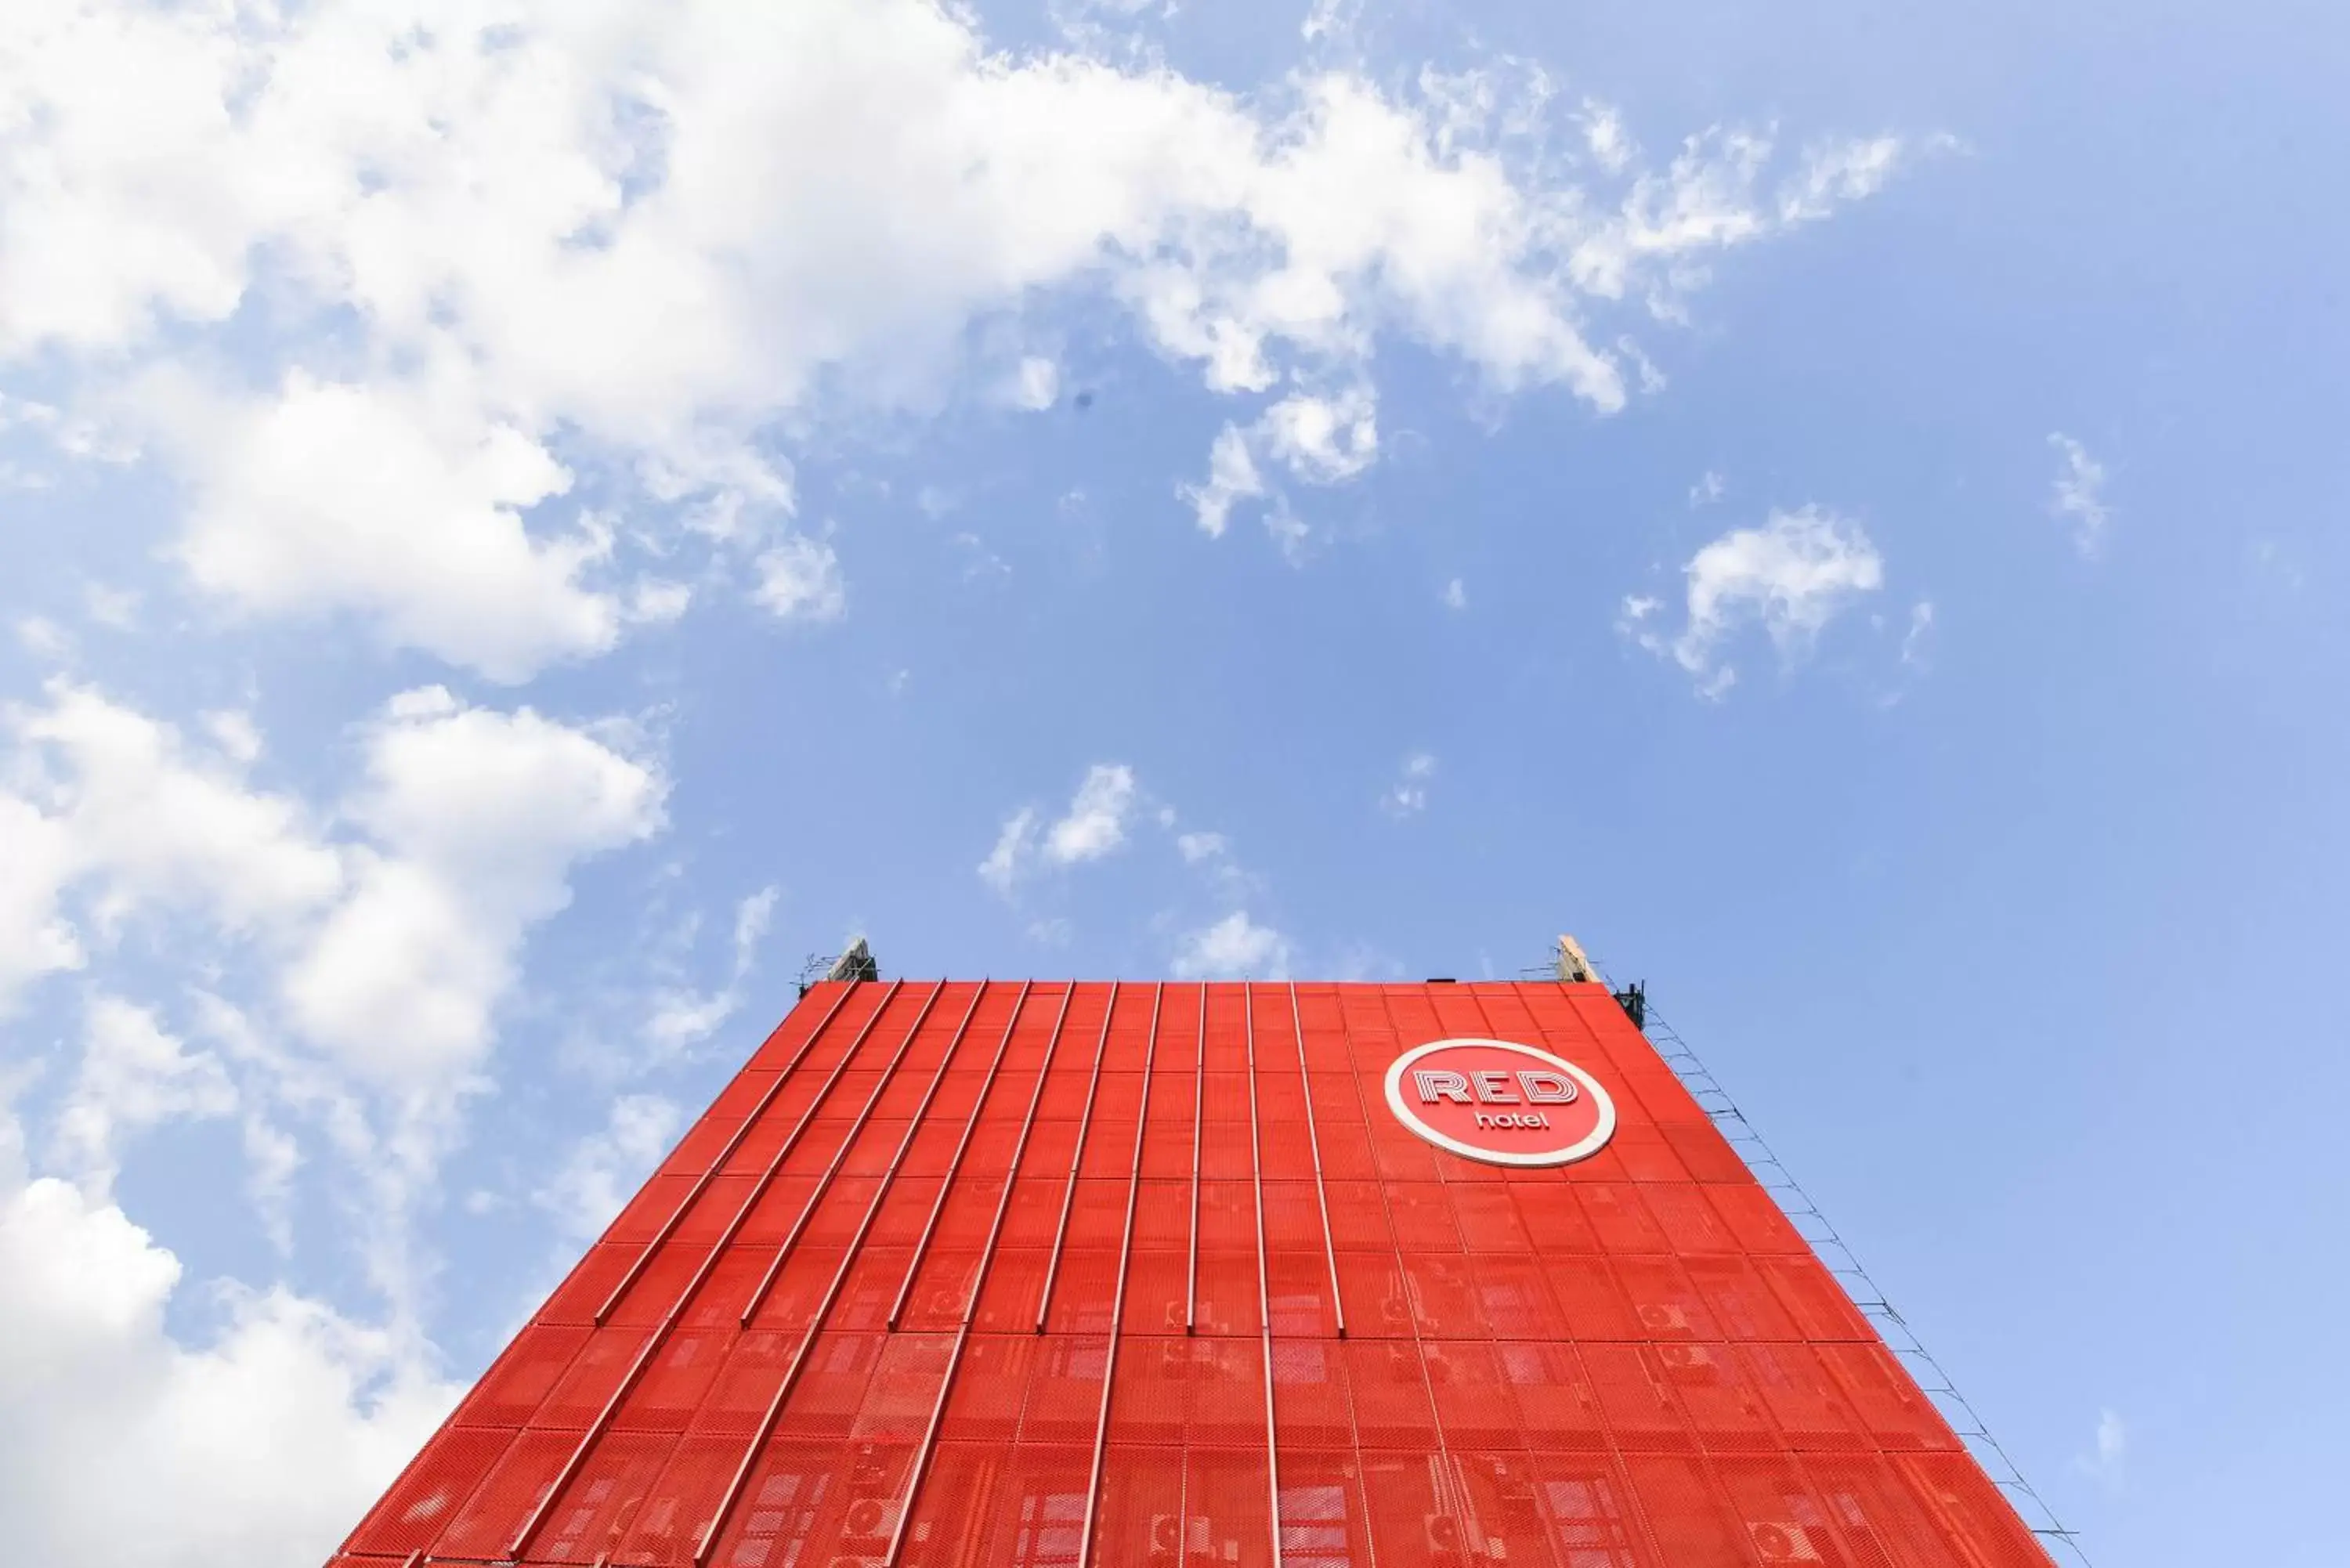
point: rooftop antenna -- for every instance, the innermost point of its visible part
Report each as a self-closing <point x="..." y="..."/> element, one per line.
<point x="857" y="963"/>
<point x="1575" y="967"/>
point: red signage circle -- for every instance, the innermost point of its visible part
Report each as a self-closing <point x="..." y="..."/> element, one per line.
<point x="1501" y="1102"/>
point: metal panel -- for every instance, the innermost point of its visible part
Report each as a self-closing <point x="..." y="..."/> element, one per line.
<point x="1165" y="1284"/>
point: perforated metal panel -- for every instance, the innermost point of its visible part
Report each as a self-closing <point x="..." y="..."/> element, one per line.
<point x="968" y="1276"/>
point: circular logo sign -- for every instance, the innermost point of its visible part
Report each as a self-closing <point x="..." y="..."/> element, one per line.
<point x="1502" y="1103"/>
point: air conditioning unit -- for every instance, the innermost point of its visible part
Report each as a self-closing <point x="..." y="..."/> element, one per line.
<point x="1663" y="1316"/>
<point x="865" y="1516"/>
<point x="1785" y="1543"/>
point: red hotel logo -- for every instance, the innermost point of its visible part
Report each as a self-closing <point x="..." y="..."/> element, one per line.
<point x="1501" y="1103"/>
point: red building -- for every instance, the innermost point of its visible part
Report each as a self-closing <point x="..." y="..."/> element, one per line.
<point x="1182" y="1275"/>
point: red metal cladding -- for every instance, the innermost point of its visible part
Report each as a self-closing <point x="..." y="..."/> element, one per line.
<point x="1197" y="1276"/>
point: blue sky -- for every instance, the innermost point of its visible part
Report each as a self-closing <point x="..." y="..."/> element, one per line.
<point x="523" y="522"/>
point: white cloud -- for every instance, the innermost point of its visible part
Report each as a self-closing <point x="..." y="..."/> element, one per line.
<point x="682" y="1016"/>
<point x="1095" y="824"/>
<point x="133" y="1076"/>
<point x="480" y="817"/>
<point x="2108" y="1459"/>
<point x="1838" y="173"/>
<point x="260" y="1447"/>
<point x="105" y="794"/>
<point x="272" y="1158"/>
<point x="402" y="505"/>
<point x="36" y="939"/>
<point x="45" y="640"/>
<point x="1232" y="948"/>
<point x="1456" y="595"/>
<point x="1014" y="849"/>
<point x="1211" y="857"/>
<point x="2078" y="494"/>
<point x="1036" y="384"/>
<point x="1408" y="797"/>
<point x="1096" y="819"/>
<point x="390" y="945"/>
<point x="1320" y="440"/>
<point x="1604" y="137"/>
<point x="1652" y="375"/>
<point x="1915" y="640"/>
<point x="652" y="602"/>
<point x="1233" y="477"/>
<point x="1197" y="846"/>
<point x="985" y="564"/>
<point x="235" y="734"/>
<point x="1324" y="440"/>
<point x="501" y="248"/>
<point x="116" y="608"/>
<point x="800" y="579"/>
<point x="1708" y="489"/>
<point x="606" y="1168"/>
<point x="1793" y="575"/>
<point x="1333" y="19"/>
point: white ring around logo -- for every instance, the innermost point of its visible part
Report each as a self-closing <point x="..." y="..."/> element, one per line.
<point x="1585" y="1149"/>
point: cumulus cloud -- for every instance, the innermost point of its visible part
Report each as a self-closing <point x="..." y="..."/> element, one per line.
<point x="1015" y="848"/>
<point x="349" y="963"/>
<point x="1234" y="948"/>
<point x="1324" y="440"/>
<point x="399" y="503"/>
<point x="476" y="818"/>
<point x="1319" y="440"/>
<point x="124" y="1447"/>
<point x="506" y="252"/>
<point x="1792" y="576"/>
<point x="133" y="1076"/>
<point x="800" y="579"/>
<point x="93" y="792"/>
<point x="1096" y="819"/>
<point x="2078" y="496"/>
<point x="1233" y="477"/>
<point x="1455" y="595"/>
<point x="1095" y="824"/>
<point x="393" y="923"/>
<point x="36" y="939"/>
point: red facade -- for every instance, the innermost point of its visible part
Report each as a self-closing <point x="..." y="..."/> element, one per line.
<point x="1152" y="1274"/>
